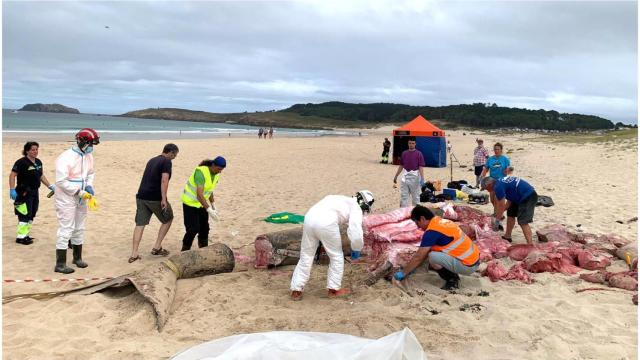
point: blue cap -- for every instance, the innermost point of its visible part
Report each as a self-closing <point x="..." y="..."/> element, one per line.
<point x="220" y="161"/>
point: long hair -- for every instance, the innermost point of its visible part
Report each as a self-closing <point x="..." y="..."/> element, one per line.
<point x="206" y="162"/>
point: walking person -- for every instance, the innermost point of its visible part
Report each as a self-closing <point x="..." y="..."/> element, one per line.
<point x="480" y="156"/>
<point x="28" y="171"/>
<point x="270" y="132"/>
<point x="198" y="201"/>
<point x="260" y="133"/>
<point x="386" y="146"/>
<point x="152" y="199"/>
<point x="411" y="164"/>
<point x="497" y="166"/>
<point x="74" y="187"/>
<point x="321" y="225"/>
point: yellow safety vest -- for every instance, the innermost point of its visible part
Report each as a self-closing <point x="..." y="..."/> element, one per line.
<point x="190" y="194"/>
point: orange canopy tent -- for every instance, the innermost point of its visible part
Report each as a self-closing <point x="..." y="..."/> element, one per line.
<point x="430" y="141"/>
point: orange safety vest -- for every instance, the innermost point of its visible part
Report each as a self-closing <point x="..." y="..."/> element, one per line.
<point x="461" y="247"/>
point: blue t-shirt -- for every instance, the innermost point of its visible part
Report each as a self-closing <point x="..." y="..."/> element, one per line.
<point x="497" y="166"/>
<point x="513" y="188"/>
<point x="432" y="237"/>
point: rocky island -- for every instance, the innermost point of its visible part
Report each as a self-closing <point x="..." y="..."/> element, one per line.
<point x="54" y="108"/>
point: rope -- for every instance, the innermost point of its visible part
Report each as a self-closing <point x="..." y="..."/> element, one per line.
<point x="173" y="267"/>
<point x="54" y="280"/>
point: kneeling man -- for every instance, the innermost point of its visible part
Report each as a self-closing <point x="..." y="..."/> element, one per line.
<point x="449" y="250"/>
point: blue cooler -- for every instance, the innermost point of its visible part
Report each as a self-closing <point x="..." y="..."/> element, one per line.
<point x="450" y="192"/>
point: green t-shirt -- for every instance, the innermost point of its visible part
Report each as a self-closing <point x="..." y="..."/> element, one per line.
<point x="199" y="177"/>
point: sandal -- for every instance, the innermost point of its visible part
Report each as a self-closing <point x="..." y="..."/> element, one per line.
<point x="132" y="259"/>
<point x="507" y="238"/>
<point x="161" y="252"/>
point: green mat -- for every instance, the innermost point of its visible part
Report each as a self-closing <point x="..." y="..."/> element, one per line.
<point x="284" y="218"/>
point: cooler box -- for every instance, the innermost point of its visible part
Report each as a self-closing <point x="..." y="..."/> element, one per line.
<point x="450" y="192"/>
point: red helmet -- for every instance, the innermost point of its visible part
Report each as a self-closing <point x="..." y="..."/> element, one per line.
<point x="88" y="136"/>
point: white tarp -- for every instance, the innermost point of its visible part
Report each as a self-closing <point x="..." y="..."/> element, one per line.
<point x="283" y="345"/>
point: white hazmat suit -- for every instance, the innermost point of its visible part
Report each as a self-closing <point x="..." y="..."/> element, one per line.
<point x="321" y="224"/>
<point x="410" y="188"/>
<point x="74" y="172"/>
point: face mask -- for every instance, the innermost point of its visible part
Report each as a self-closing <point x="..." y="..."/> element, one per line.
<point x="88" y="149"/>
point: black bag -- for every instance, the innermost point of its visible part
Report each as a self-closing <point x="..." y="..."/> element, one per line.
<point x="457" y="184"/>
<point x="427" y="196"/>
<point x="545" y="201"/>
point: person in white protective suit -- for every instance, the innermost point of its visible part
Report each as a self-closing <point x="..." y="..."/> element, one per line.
<point x="321" y="225"/>
<point x="412" y="180"/>
<point x="74" y="187"/>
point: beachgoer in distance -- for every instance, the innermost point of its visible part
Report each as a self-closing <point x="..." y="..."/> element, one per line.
<point x="198" y="203"/>
<point x="260" y="131"/>
<point x="152" y="199"/>
<point x="74" y="188"/>
<point x="321" y="225"/>
<point x="480" y="156"/>
<point x="448" y="249"/>
<point x="411" y="164"/>
<point x="270" y="132"/>
<point x="386" y="146"/>
<point x="496" y="166"/>
<point x="29" y="173"/>
<point x="518" y="198"/>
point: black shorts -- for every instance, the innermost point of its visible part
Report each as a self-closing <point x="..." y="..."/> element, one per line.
<point x="478" y="170"/>
<point x="524" y="211"/>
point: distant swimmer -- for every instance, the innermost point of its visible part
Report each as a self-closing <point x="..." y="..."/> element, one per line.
<point x="106" y="27"/>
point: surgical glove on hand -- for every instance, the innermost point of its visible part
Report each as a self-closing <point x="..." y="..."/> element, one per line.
<point x="13" y="194"/>
<point x="422" y="183"/>
<point x="399" y="275"/>
<point x="355" y="255"/>
<point x="52" y="187"/>
<point x="89" y="189"/>
<point x="84" y="195"/>
<point x="213" y="213"/>
<point x="495" y="224"/>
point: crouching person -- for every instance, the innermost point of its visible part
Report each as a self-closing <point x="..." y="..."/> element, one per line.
<point x="449" y="250"/>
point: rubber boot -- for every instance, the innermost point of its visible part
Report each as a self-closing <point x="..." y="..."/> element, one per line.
<point x="61" y="262"/>
<point x="451" y="279"/>
<point x="77" y="257"/>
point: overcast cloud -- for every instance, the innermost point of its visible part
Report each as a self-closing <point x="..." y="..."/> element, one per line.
<point x="252" y="56"/>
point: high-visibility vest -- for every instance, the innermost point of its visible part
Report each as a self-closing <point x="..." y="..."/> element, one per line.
<point x="190" y="194"/>
<point x="461" y="247"/>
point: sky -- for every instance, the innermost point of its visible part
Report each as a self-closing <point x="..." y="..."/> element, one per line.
<point x="118" y="56"/>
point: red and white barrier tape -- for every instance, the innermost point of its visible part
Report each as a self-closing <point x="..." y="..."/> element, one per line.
<point x="54" y="280"/>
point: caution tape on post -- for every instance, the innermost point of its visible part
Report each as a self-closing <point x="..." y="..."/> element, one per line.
<point x="54" y="280"/>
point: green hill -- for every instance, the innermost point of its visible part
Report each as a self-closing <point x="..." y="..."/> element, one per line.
<point x="345" y="115"/>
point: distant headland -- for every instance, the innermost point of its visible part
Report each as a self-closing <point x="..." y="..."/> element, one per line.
<point x="53" y="108"/>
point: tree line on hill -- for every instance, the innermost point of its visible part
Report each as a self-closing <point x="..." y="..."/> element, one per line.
<point x="479" y="115"/>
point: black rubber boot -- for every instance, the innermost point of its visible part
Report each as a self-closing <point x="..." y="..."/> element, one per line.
<point x="452" y="279"/>
<point x="61" y="262"/>
<point x="77" y="257"/>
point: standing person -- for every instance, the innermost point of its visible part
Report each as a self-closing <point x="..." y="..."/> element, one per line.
<point x="518" y="198"/>
<point x="449" y="250"/>
<point x="74" y="187"/>
<point x="152" y="199"/>
<point x="480" y="156"/>
<point x="260" y="133"/>
<point x="28" y="171"/>
<point x="386" y="146"/>
<point x="270" y="132"/>
<point x="496" y="166"/>
<point x="195" y="208"/>
<point x="321" y="225"/>
<point x="411" y="164"/>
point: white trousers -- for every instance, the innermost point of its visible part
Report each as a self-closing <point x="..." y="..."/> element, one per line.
<point x="410" y="189"/>
<point x="312" y="235"/>
<point x="71" y="219"/>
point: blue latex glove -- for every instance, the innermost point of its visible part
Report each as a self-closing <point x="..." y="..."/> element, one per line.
<point x="422" y="182"/>
<point x="52" y="187"/>
<point x="13" y="194"/>
<point x="89" y="189"/>
<point x="399" y="275"/>
<point x="355" y="255"/>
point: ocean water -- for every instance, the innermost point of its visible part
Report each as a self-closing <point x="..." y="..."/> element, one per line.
<point x="112" y="127"/>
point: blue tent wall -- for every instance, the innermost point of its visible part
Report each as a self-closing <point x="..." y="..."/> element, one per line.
<point x="434" y="150"/>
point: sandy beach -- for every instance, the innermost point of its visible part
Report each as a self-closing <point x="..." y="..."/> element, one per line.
<point x="591" y="184"/>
